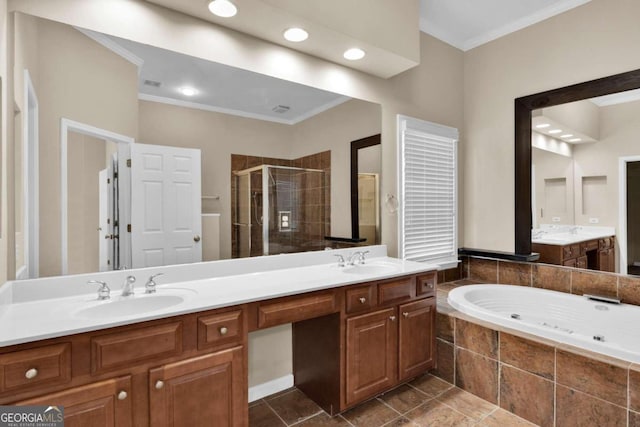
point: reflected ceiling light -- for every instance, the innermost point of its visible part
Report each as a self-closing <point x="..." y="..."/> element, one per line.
<point x="575" y="140"/>
<point x="553" y="132"/>
<point x="188" y="91"/>
<point x="353" y="54"/>
<point x="223" y="8"/>
<point x="543" y="125"/>
<point x="296" y="35"/>
<point x="568" y="135"/>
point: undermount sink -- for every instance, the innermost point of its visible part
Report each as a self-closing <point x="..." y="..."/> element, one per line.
<point x="126" y="306"/>
<point x="371" y="269"/>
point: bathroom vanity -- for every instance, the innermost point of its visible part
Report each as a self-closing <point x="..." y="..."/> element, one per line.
<point x="354" y="336"/>
<point x="576" y="246"/>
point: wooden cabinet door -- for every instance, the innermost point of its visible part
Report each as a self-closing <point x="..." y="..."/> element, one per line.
<point x="209" y="390"/>
<point x="416" y="342"/>
<point x="102" y="404"/>
<point x="372" y="354"/>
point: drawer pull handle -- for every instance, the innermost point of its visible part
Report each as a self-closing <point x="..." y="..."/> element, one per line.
<point x="392" y="318"/>
<point x="405" y="314"/>
<point x="362" y="300"/>
<point x="430" y="285"/>
<point x="122" y="395"/>
<point x="159" y="384"/>
<point x="223" y="330"/>
<point x="31" y="373"/>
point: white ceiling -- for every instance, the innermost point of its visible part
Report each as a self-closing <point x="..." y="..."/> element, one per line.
<point x="617" y="98"/>
<point x="220" y="88"/>
<point x="466" y="24"/>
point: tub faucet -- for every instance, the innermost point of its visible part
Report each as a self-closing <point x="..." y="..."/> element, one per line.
<point x="127" y="289"/>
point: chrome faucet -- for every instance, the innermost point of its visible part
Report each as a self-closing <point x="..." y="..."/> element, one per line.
<point x="127" y="289"/>
<point x="359" y="255"/>
<point x="340" y="260"/>
<point x="104" y="291"/>
<point x="574" y="229"/>
<point x="150" y="286"/>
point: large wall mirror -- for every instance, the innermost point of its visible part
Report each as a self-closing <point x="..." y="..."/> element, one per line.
<point x="129" y="155"/>
<point x="578" y="174"/>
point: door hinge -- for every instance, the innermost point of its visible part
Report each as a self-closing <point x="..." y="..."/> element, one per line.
<point x="129" y="228"/>
<point x="128" y="163"/>
<point x="108" y="180"/>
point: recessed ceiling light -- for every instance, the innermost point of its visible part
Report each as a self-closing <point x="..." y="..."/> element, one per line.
<point x="575" y="140"/>
<point x="223" y="8"/>
<point x="568" y="135"/>
<point x="543" y="125"/>
<point x="296" y="35"/>
<point x="554" y="131"/>
<point x="354" y="54"/>
<point x="188" y="91"/>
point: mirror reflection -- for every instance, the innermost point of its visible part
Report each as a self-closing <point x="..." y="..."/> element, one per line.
<point x="131" y="156"/>
<point x="585" y="183"/>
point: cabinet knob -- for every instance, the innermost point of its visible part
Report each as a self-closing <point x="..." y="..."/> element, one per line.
<point x="362" y="300"/>
<point x="159" y="384"/>
<point x="223" y="330"/>
<point x="122" y="395"/>
<point x="31" y="374"/>
<point x="392" y="318"/>
<point x="430" y="285"/>
<point x="405" y="314"/>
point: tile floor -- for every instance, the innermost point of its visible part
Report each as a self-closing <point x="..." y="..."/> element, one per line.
<point x="426" y="401"/>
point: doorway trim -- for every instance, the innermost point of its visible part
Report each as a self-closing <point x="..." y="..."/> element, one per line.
<point x="622" y="209"/>
<point x="30" y="182"/>
<point x="66" y="126"/>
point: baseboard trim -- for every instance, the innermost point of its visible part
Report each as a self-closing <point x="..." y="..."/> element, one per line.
<point x="270" y="387"/>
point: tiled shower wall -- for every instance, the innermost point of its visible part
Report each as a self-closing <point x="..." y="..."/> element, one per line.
<point x="314" y="219"/>
<point x="545" y="382"/>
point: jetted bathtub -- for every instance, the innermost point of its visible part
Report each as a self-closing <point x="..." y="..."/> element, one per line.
<point x="611" y="329"/>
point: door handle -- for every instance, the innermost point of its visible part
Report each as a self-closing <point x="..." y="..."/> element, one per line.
<point x="196" y="238"/>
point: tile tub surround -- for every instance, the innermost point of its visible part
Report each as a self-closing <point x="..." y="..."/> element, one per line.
<point x="545" y="382"/>
<point x="556" y="278"/>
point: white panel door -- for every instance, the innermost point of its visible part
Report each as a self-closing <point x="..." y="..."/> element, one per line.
<point x="165" y="205"/>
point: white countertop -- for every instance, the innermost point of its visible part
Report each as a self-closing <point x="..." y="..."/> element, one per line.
<point x="25" y="321"/>
<point x="568" y="235"/>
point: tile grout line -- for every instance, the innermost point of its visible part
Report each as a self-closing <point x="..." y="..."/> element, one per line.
<point x="276" y="413"/>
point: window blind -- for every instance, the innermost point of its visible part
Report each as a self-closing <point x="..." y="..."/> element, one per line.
<point x="428" y="191"/>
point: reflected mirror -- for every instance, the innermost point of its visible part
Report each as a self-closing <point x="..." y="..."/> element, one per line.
<point x="365" y="190"/>
<point x="583" y="174"/>
<point x="129" y="155"/>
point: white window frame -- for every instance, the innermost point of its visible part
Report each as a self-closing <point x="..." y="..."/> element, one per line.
<point x="442" y="133"/>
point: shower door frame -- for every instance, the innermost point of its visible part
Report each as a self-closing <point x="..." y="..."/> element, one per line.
<point x="265" y="197"/>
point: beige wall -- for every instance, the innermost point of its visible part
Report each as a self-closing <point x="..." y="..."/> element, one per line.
<point x="85" y="83"/>
<point x="550" y="170"/>
<point x="334" y="130"/>
<point x="591" y="41"/>
<point x="580" y="116"/>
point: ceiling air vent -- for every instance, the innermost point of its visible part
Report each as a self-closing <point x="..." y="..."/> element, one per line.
<point x="152" y="83"/>
<point x="280" y="109"/>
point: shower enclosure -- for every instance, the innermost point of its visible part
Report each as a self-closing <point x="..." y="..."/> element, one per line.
<point x="279" y="209"/>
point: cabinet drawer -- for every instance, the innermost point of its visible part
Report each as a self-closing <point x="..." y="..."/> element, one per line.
<point x="571" y="251"/>
<point x="295" y="309"/>
<point x="396" y="290"/>
<point x="426" y="284"/>
<point x="581" y="262"/>
<point x="35" y="367"/>
<point x="605" y="243"/>
<point x="220" y="329"/>
<point x="122" y="349"/>
<point x="360" y="299"/>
